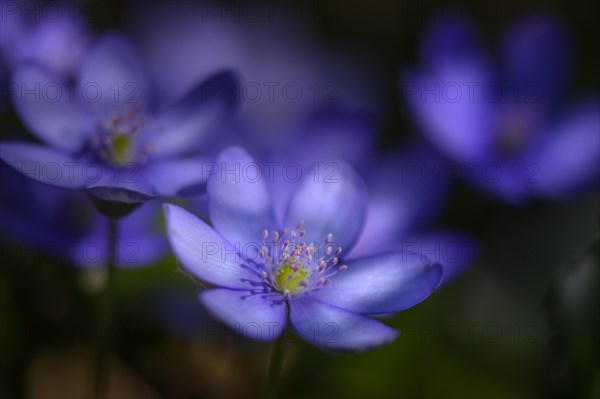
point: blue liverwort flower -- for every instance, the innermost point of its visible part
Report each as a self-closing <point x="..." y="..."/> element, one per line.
<point x="106" y="134"/>
<point x="62" y="223"/>
<point x="506" y="124"/>
<point x="56" y="37"/>
<point x="269" y="271"/>
<point x="58" y="42"/>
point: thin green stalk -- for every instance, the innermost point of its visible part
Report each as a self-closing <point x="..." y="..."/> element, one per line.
<point x="105" y="303"/>
<point x="275" y="363"/>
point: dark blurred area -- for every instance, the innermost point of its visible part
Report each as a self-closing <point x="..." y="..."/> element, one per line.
<point x="520" y="321"/>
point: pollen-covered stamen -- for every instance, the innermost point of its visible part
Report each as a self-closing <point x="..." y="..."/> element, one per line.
<point x="292" y="266"/>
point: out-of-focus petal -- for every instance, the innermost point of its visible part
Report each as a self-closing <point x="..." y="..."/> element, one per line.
<point x="112" y="77"/>
<point x="44" y="164"/>
<point x="406" y="193"/>
<point x="450" y="39"/>
<point x="50" y="108"/>
<point x="331" y="133"/>
<point x="452" y="108"/>
<point x="190" y="124"/>
<point x="452" y="94"/>
<point x="454" y="250"/>
<point x="239" y="205"/>
<point x="177" y="177"/>
<point x="567" y="161"/>
<point x="337" y="133"/>
<point x="537" y="51"/>
<point x="57" y="43"/>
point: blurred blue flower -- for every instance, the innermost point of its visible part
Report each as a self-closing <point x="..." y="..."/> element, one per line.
<point x="55" y="37"/>
<point x="506" y="124"/>
<point x="407" y="192"/>
<point x="45" y="221"/>
<point x="266" y="266"/>
<point x="106" y="133"/>
<point x="285" y="72"/>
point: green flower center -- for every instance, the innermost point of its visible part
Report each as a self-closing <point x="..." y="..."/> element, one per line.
<point x="292" y="266"/>
<point x="286" y="278"/>
<point x="116" y="142"/>
<point x="120" y="149"/>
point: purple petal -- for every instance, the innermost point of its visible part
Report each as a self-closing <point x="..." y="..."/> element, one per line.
<point x="281" y="188"/>
<point x="406" y="192"/>
<point x="450" y="106"/>
<point x="336" y="329"/>
<point x="447" y="95"/>
<point x="240" y="208"/>
<point x="188" y="125"/>
<point x="454" y="250"/>
<point x="537" y="50"/>
<point x="382" y="284"/>
<point x="568" y="160"/>
<point x="177" y="177"/>
<point x="44" y="164"/>
<point x="59" y="44"/>
<point x="334" y="203"/>
<point x="450" y="40"/>
<point x="112" y="187"/>
<point x="112" y="76"/>
<point x="204" y="253"/>
<point x="50" y="108"/>
<point x="337" y="133"/>
<point x="260" y="317"/>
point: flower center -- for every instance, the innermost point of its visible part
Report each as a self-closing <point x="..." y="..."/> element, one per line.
<point x="293" y="266"/>
<point x="517" y="130"/>
<point x="116" y="142"/>
<point x="291" y="278"/>
<point x="120" y="149"/>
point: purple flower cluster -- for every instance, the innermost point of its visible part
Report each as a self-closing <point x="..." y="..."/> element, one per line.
<point x="317" y="231"/>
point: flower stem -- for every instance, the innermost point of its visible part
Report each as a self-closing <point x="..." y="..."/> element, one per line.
<point x="105" y="304"/>
<point x="275" y="363"/>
